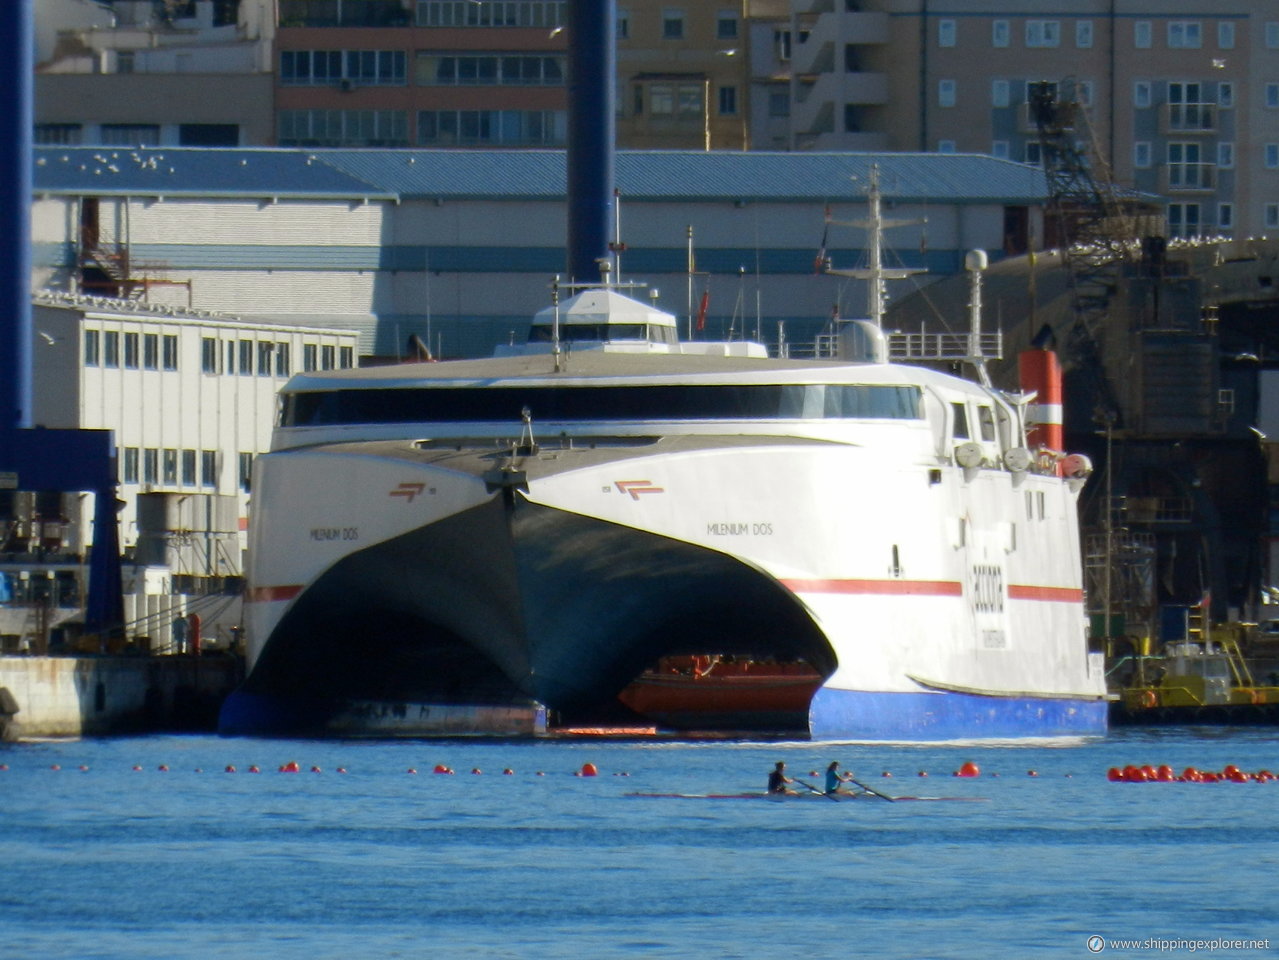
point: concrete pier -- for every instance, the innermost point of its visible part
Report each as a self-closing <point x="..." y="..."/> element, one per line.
<point x="100" y="696"/>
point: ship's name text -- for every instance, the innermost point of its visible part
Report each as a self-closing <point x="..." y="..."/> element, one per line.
<point x="322" y="534"/>
<point x="739" y="529"/>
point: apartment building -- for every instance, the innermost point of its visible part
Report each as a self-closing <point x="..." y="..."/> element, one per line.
<point x="1182" y="97"/>
<point x="492" y="73"/>
<point x="155" y="73"/>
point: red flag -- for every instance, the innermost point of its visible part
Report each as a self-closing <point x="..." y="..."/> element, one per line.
<point x="701" y="310"/>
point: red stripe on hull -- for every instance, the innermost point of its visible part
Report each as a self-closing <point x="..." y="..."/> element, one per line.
<point x="921" y="588"/>
<point x="271" y="594"/>
<point x="1054" y="594"/>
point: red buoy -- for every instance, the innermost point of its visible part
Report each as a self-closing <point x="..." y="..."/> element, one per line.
<point x="290" y="767"/>
<point x="315" y="769"/>
<point x="230" y="768"/>
<point x="968" y="769"/>
<point x="885" y="774"/>
<point x="1134" y="774"/>
<point x="440" y="768"/>
<point x="476" y="770"/>
<point x="1164" y="774"/>
<point x="508" y="772"/>
<point x="589" y="770"/>
<point x="163" y="768"/>
<point x="1032" y="773"/>
<point x="411" y="770"/>
<point x="341" y="770"/>
<point x="253" y="768"/>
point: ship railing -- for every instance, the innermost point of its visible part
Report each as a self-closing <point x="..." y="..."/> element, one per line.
<point x="906" y="347"/>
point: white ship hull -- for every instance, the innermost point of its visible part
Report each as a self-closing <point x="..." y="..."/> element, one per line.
<point x="938" y="601"/>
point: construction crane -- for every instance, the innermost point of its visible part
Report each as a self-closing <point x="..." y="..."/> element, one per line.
<point x="1094" y="229"/>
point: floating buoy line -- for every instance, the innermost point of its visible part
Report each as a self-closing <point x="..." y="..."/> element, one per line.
<point x="1131" y="773"/>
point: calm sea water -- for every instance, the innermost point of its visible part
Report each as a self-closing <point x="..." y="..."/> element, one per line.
<point x="194" y="862"/>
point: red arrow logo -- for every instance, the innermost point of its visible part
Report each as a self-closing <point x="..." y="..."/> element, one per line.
<point x="637" y="487"/>
<point x="409" y="491"/>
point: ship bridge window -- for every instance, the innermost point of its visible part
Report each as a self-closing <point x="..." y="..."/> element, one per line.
<point x="668" y="402"/>
<point x="960" y="429"/>
<point x="986" y="422"/>
<point x="602" y="333"/>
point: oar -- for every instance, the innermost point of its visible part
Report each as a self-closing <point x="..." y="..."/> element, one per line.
<point x="870" y="791"/>
<point x="820" y="793"/>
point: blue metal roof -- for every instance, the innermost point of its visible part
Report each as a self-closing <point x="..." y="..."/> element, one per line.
<point x="530" y="174"/>
<point x="195" y="172"/>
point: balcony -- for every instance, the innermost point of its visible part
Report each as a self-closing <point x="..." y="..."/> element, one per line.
<point x="1188" y="177"/>
<point x="1188" y="118"/>
<point x="343" y="13"/>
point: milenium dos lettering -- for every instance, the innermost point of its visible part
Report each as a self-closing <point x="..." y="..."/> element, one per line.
<point x="739" y="529"/>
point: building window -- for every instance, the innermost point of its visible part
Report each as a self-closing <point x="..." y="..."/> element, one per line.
<point x="1142" y="35"/>
<point x="1272" y="215"/>
<point x="327" y="357"/>
<point x="490" y="127"/>
<point x="1225" y="95"/>
<point x="1272" y="95"/>
<point x="150" y="465"/>
<point x="347" y="357"/>
<point x="945" y="33"/>
<point x="309" y="355"/>
<point x="489" y="70"/>
<point x="1225" y="35"/>
<point x="1141" y="154"/>
<point x="170" y="467"/>
<point x="92" y="348"/>
<point x="1043" y="33"/>
<point x="672" y="24"/>
<point x="726" y="25"/>
<point x="945" y="93"/>
<point x="1226" y="155"/>
<point x="1141" y="94"/>
<point x="623" y="23"/>
<point x="1272" y="35"/>
<point x="1185" y="35"/>
<point x="111" y="349"/>
<point x="208" y="468"/>
<point x="130" y="474"/>
<point x="1000" y="149"/>
<point x="999" y="93"/>
<point x="282" y="368"/>
<point x="945" y="146"/>
<point x="999" y="33"/>
<point x="1272" y="156"/>
<point x="58" y="134"/>
<point x="246" y="358"/>
<point x="468" y="13"/>
<point x="246" y="471"/>
<point x="265" y="350"/>
<point x="1226" y="215"/>
<point x="209" y="354"/>
<point x="1034" y="155"/>
<point x="343" y="128"/>
<point x="1185" y="167"/>
<point x="1083" y="92"/>
<point x="1083" y="33"/>
<point x="129" y="134"/>
<point x="1186" y="109"/>
<point x="1183" y="220"/>
<point x="188" y="468"/>
<point x="150" y="351"/>
<point x="131" y="351"/>
<point x="170" y="351"/>
<point x="779" y="104"/>
<point x="727" y="101"/>
<point x="344" y="68"/>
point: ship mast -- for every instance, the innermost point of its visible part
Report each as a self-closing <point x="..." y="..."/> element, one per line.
<point x="875" y="273"/>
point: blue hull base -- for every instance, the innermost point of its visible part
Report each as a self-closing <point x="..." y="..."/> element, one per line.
<point x="862" y="715"/>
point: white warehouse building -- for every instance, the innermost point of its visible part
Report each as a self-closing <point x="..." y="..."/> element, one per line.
<point x="458" y="247"/>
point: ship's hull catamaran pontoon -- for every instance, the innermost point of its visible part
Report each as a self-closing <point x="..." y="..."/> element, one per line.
<point x="456" y="548"/>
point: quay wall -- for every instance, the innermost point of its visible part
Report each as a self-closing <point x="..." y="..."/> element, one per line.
<point x="100" y="696"/>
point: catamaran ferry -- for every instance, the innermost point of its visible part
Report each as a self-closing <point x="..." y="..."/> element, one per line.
<point x="454" y="548"/>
